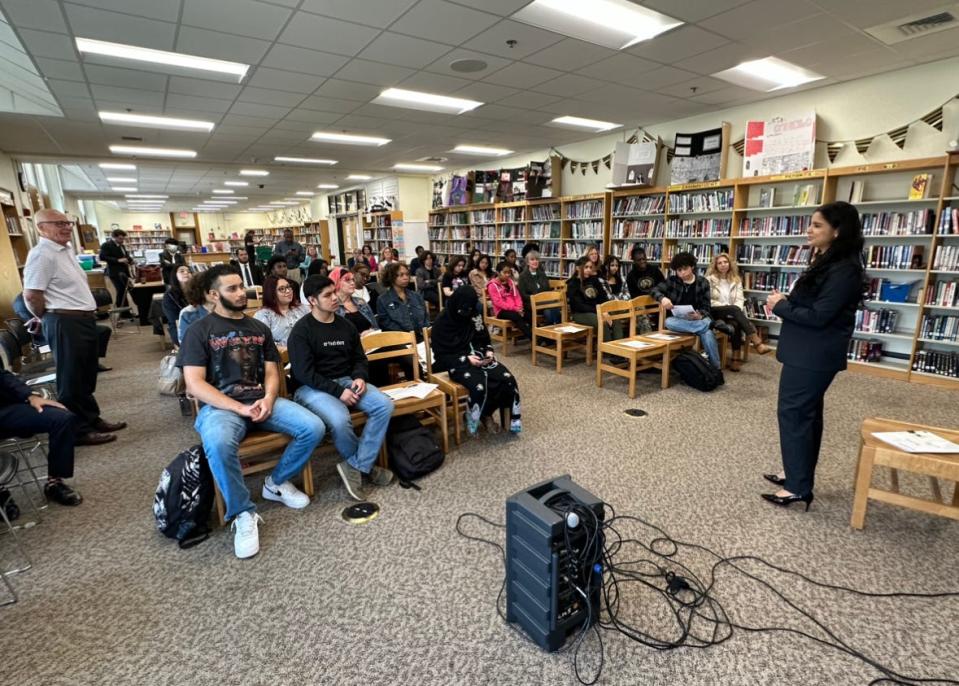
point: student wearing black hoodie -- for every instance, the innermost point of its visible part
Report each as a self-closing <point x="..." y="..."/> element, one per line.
<point x="585" y="291"/>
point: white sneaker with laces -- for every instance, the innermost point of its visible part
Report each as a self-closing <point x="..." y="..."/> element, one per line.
<point x="285" y="493"/>
<point x="246" y="539"/>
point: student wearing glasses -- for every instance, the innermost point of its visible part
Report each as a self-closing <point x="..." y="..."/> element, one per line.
<point x="281" y="308"/>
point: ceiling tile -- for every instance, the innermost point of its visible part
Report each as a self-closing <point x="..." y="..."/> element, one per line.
<point x="348" y="90"/>
<point x="529" y="100"/>
<point x="702" y="84"/>
<point x="126" y="78"/>
<point x="522" y="75"/>
<point x="204" y="88"/>
<point x="727" y="94"/>
<point x="433" y="83"/>
<point x="568" y="85"/>
<point x="741" y="22"/>
<point x="662" y="77"/>
<point x="503" y="8"/>
<point x="499" y="112"/>
<point x="131" y="97"/>
<point x="266" y="96"/>
<point x="88" y="22"/>
<point x="443" y="22"/>
<point x="442" y="65"/>
<point x="303" y="116"/>
<point x="929" y="46"/>
<point x="281" y="136"/>
<point x="866" y="13"/>
<point x="45" y="44"/>
<point x="60" y="69"/>
<point x="529" y="39"/>
<point x="379" y="14"/>
<point x="79" y="109"/>
<point x="824" y="53"/>
<point x="285" y="80"/>
<point x="570" y="54"/>
<point x="302" y="60"/>
<point x="242" y="17"/>
<point x="68" y="89"/>
<point x="724" y="57"/>
<point x="485" y="92"/>
<point x="221" y="46"/>
<point x="378" y="73"/>
<point x="252" y="109"/>
<point x="310" y="31"/>
<point x="403" y="50"/>
<point x="622" y="68"/>
<point x="166" y="11"/>
<point x="677" y="44"/>
<point x="693" y="10"/>
<point x="35" y="14"/>
<point x="234" y="131"/>
<point x="330" y="104"/>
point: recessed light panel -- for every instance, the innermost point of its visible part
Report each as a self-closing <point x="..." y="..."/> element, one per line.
<point x="305" y="160"/>
<point x="254" y="172"/>
<point x="481" y="150"/>
<point x="404" y="166"/>
<point x="155" y="122"/>
<point x="347" y="139"/>
<point x="430" y="102"/>
<point x="144" y="151"/>
<point x="171" y="60"/>
<point x="581" y="123"/>
<point x="236" y="183"/>
<point x="768" y="74"/>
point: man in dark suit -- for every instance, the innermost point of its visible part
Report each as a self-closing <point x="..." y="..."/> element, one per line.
<point x="118" y="263"/>
<point x="251" y="274"/>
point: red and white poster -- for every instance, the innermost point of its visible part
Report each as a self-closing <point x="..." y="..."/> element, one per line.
<point x="780" y="145"/>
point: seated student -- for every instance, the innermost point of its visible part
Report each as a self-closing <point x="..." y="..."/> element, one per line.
<point x="475" y="255"/>
<point x="509" y="257"/>
<point x="428" y="278"/>
<point x="200" y="304"/>
<point x="506" y="301"/>
<point x="613" y="280"/>
<point x="331" y="368"/>
<point x="356" y="259"/>
<point x="367" y="253"/>
<point x="400" y="308"/>
<point x="585" y="291"/>
<point x="684" y="287"/>
<point x="23" y="414"/>
<point x="318" y="267"/>
<point x="278" y="268"/>
<point x="533" y="280"/>
<point x="480" y="274"/>
<point x="643" y="277"/>
<point x="281" y="308"/>
<point x="351" y="307"/>
<point x="417" y="261"/>
<point x="251" y="274"/>
<point x="361" y="276"/>
<point x="726" y="296"/>
<point x="174" y="300"/>
<point x="230" y="364"/>
<point x="455" y="276"/>
<point x="461" y="346"/>
<point x="593" y="256"/>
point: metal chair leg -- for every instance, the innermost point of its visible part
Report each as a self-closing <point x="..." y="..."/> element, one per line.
<point x="10" y="589"/>
<point x="16" y="542"/>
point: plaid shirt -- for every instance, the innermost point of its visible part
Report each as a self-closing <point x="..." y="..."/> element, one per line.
<point x="674" y="288"/>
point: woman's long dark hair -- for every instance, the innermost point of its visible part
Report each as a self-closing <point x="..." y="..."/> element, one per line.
<point x="848" y="244"/>
<point x="270" y="298"/>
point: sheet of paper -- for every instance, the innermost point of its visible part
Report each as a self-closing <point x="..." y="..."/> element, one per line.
<point x="43" y="349"/>
<point x="47" y="378"/>
<point x="681" y="311"/>
<point x="917" y="441"/>
<point x="570" y="329"/>
<point x="639" y="345"/>
<point x="416" y="390"/>
<point x="663" y="336"/>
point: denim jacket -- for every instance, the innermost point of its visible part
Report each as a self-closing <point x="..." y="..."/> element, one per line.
<point x="363" y="308"/>
<point x="395" y="315"/>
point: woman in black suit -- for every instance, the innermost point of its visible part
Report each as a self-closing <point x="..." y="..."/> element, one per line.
<point x="818" y="318"/>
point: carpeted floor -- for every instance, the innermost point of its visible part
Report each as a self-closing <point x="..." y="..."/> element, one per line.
<point x="405" y="600"/>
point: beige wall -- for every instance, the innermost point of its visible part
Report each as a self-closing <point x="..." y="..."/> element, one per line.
<point x="107" y="215"/>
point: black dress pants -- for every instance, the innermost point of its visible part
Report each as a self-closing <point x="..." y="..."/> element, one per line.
<point x="520" y="320"/>
<point x="737" y="318"/>
<point x="75" y="344"/>
<point x="800" y="410"/>
<point x="22" y="421"/>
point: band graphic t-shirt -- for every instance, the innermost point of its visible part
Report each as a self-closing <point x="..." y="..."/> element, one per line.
<point x="234" y="353"/>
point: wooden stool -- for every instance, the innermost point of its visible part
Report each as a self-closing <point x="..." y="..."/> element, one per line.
<point x="873" y="453"/>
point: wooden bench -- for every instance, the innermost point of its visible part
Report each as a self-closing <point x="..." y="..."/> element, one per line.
<point x="651" y="357"/>
<point x="875" y="453"/>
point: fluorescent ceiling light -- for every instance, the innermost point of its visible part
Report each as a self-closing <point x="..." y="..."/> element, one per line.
<point x="305" y="193"/>
<point x="149" y="196"/>
<point x="481" y="150"/>
<point x="236" y="183"/>
<point x="150" y="152"/>
<point x="328" y="185"/>
<point x="117" y="166"/>
<point x="768" y="74"/>
<point x="237" y="197"/>
<point x="304" y="160"/>
<point x="214" y="201"/>
<point x="397" y="97"/>
<point x="358" y="177"/>
<point x="254" y="172"/>
<point x="348" y="139"/>
<point x="283" y="202"/>
<point x="222" y="191"/>
<point x="403" y="166"/>
<point x="580" y="122"/>
<point x="124" y="189"/>
<point x="615" y="24"/>
<point x="122" y="179"/>
<point x="155" y="121"/>
<point x="135" y="53"/>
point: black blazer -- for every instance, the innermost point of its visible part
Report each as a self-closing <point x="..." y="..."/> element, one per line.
<point x="818" y="321"/>
<point x="254" y="270"/>
<point x="12" y="390"/>
<point x="110" y="252"/>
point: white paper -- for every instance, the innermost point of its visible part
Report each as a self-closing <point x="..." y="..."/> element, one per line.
<point x="681" y="311"/>
<point x="639" y="345"/>
<point x="663" y="337"/>
<point x="917" y="441"/>
<point x="47" y="378"/>
<point x="43" y="349"/>
<point x="415" y="390"/>
<point x="570" y="329"/>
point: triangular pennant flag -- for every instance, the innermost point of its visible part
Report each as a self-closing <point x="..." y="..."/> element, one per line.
<point x="862" y="144"/>
<point x="632" y="139"/>
<point x="583" y="166"/>
<point x="934" y="118"/>
<point x="669" y="154"/>
<point x="608" y="161"/>
<point x="740" y="146"/>
<point x="573" y="166"/>
<point x="595" y="166"/>
<point x="832" y="150"/>
<point x="898" y="136"/>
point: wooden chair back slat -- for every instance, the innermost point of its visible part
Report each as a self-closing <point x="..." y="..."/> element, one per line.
<point x="549" y="300"/>
<point x="375" y="342"/>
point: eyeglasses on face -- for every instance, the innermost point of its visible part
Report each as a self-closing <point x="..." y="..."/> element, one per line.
<point x="58" y="224"/>
<point x="284" y="289"/>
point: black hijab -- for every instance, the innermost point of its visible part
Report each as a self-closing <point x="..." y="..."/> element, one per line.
<point x="458" y="324"/>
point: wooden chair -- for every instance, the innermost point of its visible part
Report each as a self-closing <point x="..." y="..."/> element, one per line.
<point x="677" y="342"/>
<point x="507" y="332"/>
<point x="457" y="393"/>
<point x="385" y="345"/>
<point x="875" y="453"/>
<point x="558" y="284"/>
<point x="564" y="341"/>
<point x="639" y="358"/>
<point x="690" y="340"/>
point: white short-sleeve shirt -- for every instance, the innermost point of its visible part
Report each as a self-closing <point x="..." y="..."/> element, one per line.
<point x="54" y="269"/>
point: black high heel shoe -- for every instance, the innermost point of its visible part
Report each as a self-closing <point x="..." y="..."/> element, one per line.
<point x="774" y="478"/>
<point x="787" y="500"/>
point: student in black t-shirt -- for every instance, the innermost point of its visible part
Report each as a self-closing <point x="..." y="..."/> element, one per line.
<point x="329" y="363"/>
<point x="230" y="365"/>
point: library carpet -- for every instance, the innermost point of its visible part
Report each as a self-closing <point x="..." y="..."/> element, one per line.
<point x="405" y="600"/>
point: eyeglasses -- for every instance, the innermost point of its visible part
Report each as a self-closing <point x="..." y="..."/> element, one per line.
<point x="284" y="289"/>
<point x="60" y="225"/>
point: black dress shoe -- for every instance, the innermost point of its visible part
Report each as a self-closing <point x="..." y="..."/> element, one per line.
<point x="59" y="492"/>
<point x="787" y="500"/>
<point x="724" y="327"/>
<point x="104" y="368"/>
<point x="774" y="478"/>
<point x="109" y="427"/>
<point x="94" y="438"/>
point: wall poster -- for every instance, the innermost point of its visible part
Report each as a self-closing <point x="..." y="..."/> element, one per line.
<point x="780" y="145"/>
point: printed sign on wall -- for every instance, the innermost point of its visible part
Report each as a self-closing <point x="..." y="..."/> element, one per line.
<point x="780" y="145"/>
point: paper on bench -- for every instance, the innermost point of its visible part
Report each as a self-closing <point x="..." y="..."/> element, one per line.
<point x="639" y="345"/>
<point x="917" y="441"/>
<point x="570" y="329"/>
<point x="416" y="390"/>
<point x="663" y="337"/>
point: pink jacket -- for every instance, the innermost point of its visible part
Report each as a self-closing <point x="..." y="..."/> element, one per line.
<point x="504" y="297"/>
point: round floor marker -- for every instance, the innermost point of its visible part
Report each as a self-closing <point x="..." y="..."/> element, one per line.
<point x="633" y="412"/>
<point x="360" y="513"/>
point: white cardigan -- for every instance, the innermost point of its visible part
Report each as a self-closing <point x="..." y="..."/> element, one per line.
<point x="720" y="299"/>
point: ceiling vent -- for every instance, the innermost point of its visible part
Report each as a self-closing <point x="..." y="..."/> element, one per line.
<point x="434" y="160"/>
<point x="916" y="25"/>
<point x="135" y="139"/>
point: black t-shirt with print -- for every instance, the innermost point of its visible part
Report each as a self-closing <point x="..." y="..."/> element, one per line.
<point x="234" y="353"/>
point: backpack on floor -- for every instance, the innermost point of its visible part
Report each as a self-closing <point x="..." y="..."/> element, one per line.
<point x="184" y="498"/>
<point x="412" y="450"/>
<point x="696" y="371"/>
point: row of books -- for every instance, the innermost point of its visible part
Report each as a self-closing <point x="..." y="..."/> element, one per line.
<point x="377" y="234"/>
<point x="513" y="231"/>
<point x="640" y="204"/>
<point x="864" y="351"/>
<point x="936" y="362"/>
<point x="459" y="234"/>
<point x="774" y="254"/>
<point x="698" y="228"/>
<point x="587" y="209"/>
<point x="708" y="201"/>
<point x="783" y="225"/>
<point x="915" y="223"/>
<point x="545" y="213"/>
<point x="757" y="309"/>
<point x="949" y="221"/>
<point x="639" y="228"/>
<point x="13" y="225"/>
<point x="549" y="230"/>
<point x="585" y="230"/>
<point x="458" y="218"/>
<point x="947" y="258"/>
<point x="939" y="327"/>
<point x="803" y="194"/>
<point x="549" y="249"/>
<point x="437" y="220"/>
<point x="485" y="247"/>
<point x="768" y="281"/>
<point x="511" y="214"/>
<point x="573" y="251"/>
<point x="654" y="252"/>
<point x="703" y="252"/>
<point x="437" y="234"/>
<point x="943" y="294"/>
<point x="877" y="321"/>
<point x="894" y="256"/>
<point x="484" y="216"/>
<point x="484" y="232"/>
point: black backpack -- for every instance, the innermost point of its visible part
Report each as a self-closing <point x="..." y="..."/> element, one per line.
<point x="697" y="371"/>
<point x="412" y="450"/>
<point x="184" y="498"/>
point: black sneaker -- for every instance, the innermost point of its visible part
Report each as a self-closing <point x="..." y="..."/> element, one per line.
<point x="59" y="492"/>
<point x="724" y="327"/>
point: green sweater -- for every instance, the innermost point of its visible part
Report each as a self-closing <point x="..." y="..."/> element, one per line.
<point x="530" y="284"/>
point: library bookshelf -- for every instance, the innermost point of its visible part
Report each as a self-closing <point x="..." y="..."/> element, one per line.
<point x="762" y="222"/>
<point x="311" y="233"/>
<point x="378" y="229"/>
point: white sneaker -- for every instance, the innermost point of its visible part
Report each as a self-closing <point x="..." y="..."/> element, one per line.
<point x="285" y="493"/>
<point x="246" y="540"/>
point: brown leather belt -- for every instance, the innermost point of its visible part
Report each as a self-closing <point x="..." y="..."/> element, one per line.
<point x="74" y="313"/>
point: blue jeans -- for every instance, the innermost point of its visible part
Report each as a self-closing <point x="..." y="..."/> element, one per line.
<point x="700" y="327"/>
<point x="222" y="430"/>
<point x="359" y="452"/>
<point x="553" y="315"/>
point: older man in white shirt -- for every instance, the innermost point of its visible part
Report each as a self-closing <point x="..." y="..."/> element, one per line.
<point x="56" y="291"/>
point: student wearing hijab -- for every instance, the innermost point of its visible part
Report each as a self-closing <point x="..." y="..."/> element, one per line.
<point x="461" y="346"/>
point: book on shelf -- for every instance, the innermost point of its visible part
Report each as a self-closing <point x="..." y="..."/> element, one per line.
<point x="707" y="201"/>
<point x="767" y="197"/>
<point x="877" y="321"/>
<point x="640" y="204"/>
<point x="774" y="255"/>
<point x="703" y="252"/>
<point x="698" y="228"/>
<point x="758" y="309"/>
<point x="769" y="281"/>
<point x="638" y="228"/>
<point x="586" y="209"/>
<point x="943" y="294"/>
<point x="894" y="256"/>
<point x="915" y="223"/>
<point x="937" y="327"/>
<point x="781" y="225"/>
<point x="936" y="362"/>
<point x="864" y="351"/>
<point x="947" y="258"/>
<point x="856" y="189"/>
<point x="806" y="194"/>
<point x="919" y="188"/>
<point x="949" y="221"/>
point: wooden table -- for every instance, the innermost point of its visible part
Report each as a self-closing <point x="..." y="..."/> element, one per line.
<point x="142" y="294"/>
<point x="876" y="453"/>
